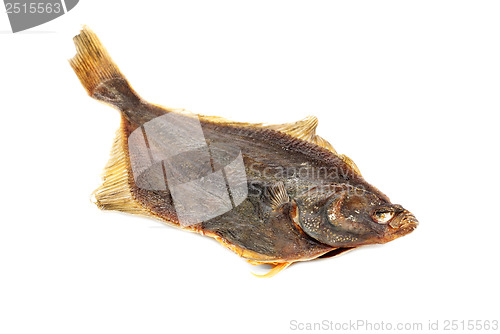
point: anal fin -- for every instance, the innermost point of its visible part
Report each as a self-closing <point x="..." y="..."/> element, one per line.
<point x="115" y="192"/>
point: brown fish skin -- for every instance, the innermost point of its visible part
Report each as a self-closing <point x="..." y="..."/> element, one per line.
<point x="304" y="200"/>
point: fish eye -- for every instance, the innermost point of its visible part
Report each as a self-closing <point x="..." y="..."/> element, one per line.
<point x="383" y="216"/>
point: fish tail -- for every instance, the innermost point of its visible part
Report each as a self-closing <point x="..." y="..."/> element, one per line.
<point x="98" y="73"/>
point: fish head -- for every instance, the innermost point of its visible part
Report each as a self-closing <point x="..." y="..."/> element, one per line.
<point x="345" y="216"/>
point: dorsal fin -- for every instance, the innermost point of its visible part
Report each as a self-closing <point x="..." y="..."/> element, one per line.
<point x="276" y="195"/>
<point x="304" y="129"/>
<point x="349" y="162"/>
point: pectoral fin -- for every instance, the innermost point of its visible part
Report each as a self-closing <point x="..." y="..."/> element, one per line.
<point x="275" y="195"/>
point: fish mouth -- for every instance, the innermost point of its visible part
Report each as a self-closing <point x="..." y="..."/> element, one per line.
<point x="403" y="224"/>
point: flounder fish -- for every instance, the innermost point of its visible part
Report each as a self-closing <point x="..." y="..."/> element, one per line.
<point x="273" y="194"/>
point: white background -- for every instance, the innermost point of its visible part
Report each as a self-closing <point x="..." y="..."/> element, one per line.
<point x="410" y="90"/>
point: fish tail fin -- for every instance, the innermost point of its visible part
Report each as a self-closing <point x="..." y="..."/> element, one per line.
<point x="98" y="73"/>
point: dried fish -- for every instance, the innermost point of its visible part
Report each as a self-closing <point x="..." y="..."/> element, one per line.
<point x="273" y="194"/>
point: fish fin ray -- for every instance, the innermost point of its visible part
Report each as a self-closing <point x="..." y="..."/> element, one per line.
<point x="99" y="75"/>
<point x="304" y="129"/>
<point x="276" y="269"/>
<point x="92" y="63"/>
<point x="276" y="194"/>
<point x="115" y="191"/>
<point x="350" y="163"/>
